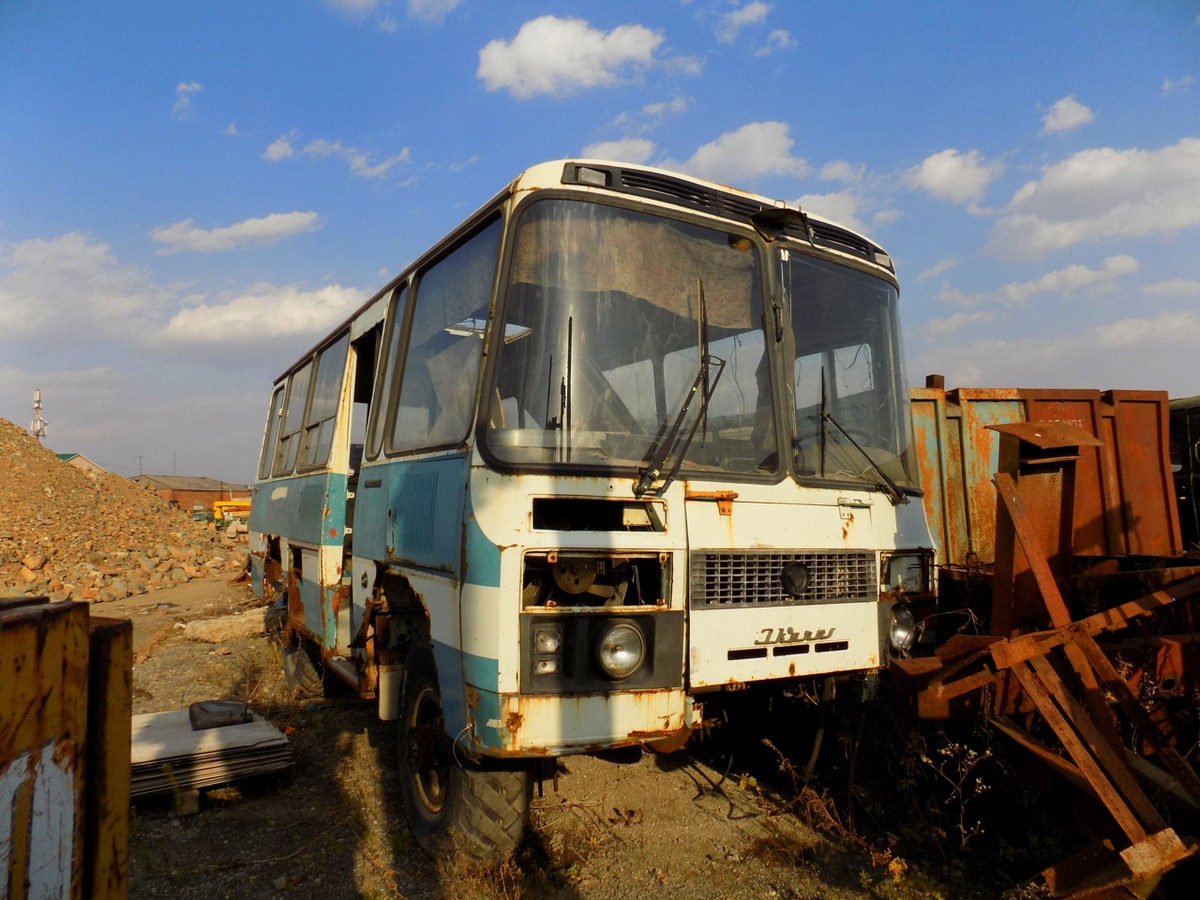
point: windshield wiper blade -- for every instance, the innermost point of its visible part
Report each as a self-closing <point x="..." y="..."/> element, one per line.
<point x="654" y="468"/>
<point x="700" y="384"/>
<point x="890" y="487"/>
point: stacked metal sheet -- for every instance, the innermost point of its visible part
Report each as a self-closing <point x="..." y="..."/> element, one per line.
<point x="169" y="755"/>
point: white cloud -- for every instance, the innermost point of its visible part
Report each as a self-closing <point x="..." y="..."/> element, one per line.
<point x="1134" y="353"/>
<point x="954" y="297"/>
<point x="388" y="26"/>
<point x="265" y="230"/>
<point x="675" y="105"/>
<point x="937" y="329"/>
<point x="840" y="170"/>
<point x="776" y="40"/>
<point x="632" y="150"/>
<point x="1070" y="279"/>
<point x="937" y="269"/>
<point x="756" y="149"/>
<point x="840" y="207"/>
<point x="231" y="130"/>
<point x="262" y="312"/>
<point x="358" y="161"/>
<point x="886" y="216"/>
<point x="953" y="176"/>
<point x="183" y="98"/>
<point x="280" y="148"/>
<point x="1066" y="114"/>
<point x="1169" y="86"/>
<point x="70" y="287"/>
<point x="683" y="65"/>
<point x="557" y="56"/>
<point x="459" y="166"/>
<point x="1176" y="287"/>
<point x="1102" y="194"/>
<point x="730" y="23"/>
<point x="431" y="10"/>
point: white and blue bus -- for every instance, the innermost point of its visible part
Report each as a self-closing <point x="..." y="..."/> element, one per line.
<point x="621" y="440"/>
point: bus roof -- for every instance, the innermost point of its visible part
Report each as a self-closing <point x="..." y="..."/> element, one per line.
<point x="648" y="183"/>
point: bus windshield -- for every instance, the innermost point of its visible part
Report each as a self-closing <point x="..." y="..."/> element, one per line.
<point x="848" y="383"/>
<point x="606" y="315"/>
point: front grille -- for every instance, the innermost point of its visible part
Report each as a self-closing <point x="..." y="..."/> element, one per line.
<point x="739" y="580"/>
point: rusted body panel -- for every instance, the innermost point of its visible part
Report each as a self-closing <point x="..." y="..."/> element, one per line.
<point x="43" y="728"/>
<point x="1124" y="498"/>
<point x="1038" y="659"/>
<point x="65" y="701"/>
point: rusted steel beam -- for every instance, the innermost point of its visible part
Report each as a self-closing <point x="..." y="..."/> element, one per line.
<point x="1126" y="818"/>
<point x="1006" y="489"/>
<point x="1120" y="616"/>
<point x="1170" y="757"/>
<point x="1038" y="643"/>
<point x="1109" y="754"/>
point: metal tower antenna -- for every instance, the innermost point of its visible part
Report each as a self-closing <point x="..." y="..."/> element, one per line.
<point x="38" y="427"/>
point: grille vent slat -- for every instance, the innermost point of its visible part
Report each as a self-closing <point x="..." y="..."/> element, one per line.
<point x="743" y="580"/>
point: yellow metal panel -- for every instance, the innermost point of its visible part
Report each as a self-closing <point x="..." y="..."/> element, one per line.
<point x="43" y="716"/>
<point x="110" y="710"/>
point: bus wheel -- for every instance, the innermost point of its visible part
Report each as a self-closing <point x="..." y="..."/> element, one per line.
<point x="301" y="672"/>
<point x="451" y="803"/>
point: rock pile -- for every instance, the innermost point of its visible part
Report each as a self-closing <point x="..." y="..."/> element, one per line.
<point x="77" y="536"/>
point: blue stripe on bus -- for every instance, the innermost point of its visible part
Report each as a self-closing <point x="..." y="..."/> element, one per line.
<point x="456" y="671"/>
<point x="483" y="557"/>
<point x="305" y="508"/>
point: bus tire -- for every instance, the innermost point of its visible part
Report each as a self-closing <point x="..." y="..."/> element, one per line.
<point x="301" y="672"/>
<point x="452" y="804"/>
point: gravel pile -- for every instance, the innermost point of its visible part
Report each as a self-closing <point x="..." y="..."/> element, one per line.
<point x="76" y="536"/>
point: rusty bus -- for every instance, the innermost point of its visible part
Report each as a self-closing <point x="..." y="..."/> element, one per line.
<point x="621" y="440"/>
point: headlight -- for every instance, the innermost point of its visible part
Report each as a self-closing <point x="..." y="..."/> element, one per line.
<point x="621" y="650"/>
<point x="547" y="649"/>
<point x="904" y="629"/>
<point x="906" y="572"/>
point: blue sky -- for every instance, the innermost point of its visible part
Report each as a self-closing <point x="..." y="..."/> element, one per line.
<point x="191" y="194"/>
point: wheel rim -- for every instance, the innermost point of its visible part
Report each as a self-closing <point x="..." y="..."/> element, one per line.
<point x="428" y="751"/>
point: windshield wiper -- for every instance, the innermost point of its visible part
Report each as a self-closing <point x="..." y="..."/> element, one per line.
<point x="889" y="487"/>
<point x="895" y="495"/>
<point x="702" y="385"/>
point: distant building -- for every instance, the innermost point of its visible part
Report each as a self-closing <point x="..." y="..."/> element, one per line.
<point x="79" y="461"/>
<point x="193" y="494"/>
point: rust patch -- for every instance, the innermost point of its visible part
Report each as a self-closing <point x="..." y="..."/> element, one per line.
<point x="848" y="527"/>
<point x="472" y="697"/>
<point x="513" y="722"/>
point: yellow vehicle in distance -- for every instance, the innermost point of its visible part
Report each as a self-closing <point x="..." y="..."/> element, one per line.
<point x="229" y="510"/>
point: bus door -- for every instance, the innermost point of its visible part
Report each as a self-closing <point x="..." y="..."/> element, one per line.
<point x="363" y="354"/>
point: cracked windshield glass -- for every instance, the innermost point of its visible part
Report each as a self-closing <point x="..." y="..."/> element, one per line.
<point x="603" y="334"/>
<point x="847" y="374"/>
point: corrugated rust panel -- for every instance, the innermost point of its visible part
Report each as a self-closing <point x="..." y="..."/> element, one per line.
<point x="43" y="722"/>
<point x="1124" y="498"/>
<point x="110" y="708"/>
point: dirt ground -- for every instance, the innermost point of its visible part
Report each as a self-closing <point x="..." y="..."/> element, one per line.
<point x="630" y="825"/>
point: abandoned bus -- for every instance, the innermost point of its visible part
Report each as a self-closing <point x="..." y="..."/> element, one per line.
<point x="621" y="440"/>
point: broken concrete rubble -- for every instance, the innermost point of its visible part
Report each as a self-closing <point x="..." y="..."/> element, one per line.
<point x="72" y="535"/>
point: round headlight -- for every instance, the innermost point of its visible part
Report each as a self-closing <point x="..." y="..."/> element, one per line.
<point x="621" y="650"/>
<point x="904" y="629"/>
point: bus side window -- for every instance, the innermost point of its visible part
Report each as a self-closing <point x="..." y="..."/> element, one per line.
<point x="387" y="371"/>
<point x="268" y="450"/>
<point x="322" y="410"/>
<point x="441" y="367"/>
<point x="293" y="416"/>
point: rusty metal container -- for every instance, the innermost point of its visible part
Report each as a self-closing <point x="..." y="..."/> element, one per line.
<point x="65" y="697"/>
<point x="1124" y="497"/>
